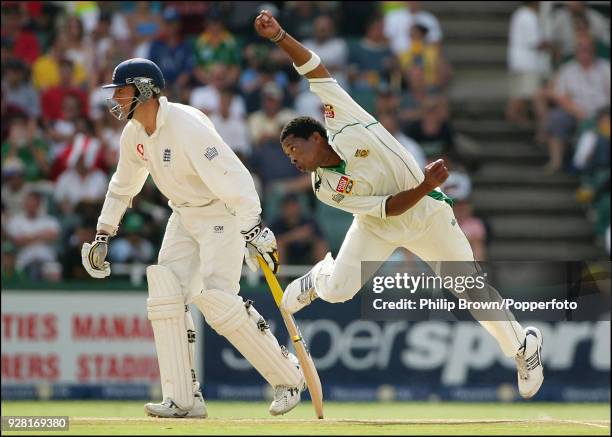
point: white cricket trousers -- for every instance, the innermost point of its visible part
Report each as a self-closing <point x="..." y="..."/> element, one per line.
<point x="440" y="239"/>
<point x="203" y="247"/>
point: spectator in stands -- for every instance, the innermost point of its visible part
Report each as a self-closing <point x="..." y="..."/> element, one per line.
<point x="433" y="132"/>
<point x="370" y="59"/>
<point x="399" y="22"/>
<point x="61" y="131"/>
<point x="72" y="264"/>
<point x="216" y="45"/>
<point x="582" y="88"/>
<point x="23" y="41"/>
<point x="80" y="49"/>
<point x="299" y="239"/>
<point x="144" y="24"/>
<point x="34" y="233"/>
<point x="207" y="98"/>
<point x="232" y="128"/>
<point x="332" y="50"/>
<point x="564" y="27"/>
<point x="266" y="124"/>
<point x="14" y="186"/>
<point x="52" y="99"/>
<point x="172" y="54"/>
<point x="412" y="104"/>
<point x="18" y="89"/>
<point x="299" y="17"/>
<point x="25" y="143"/>
<point x="426" y="55"/>
<point x="526" y="60"/>
<point x="459" y="187"/>
<point x="46" y="69"/>
<point x="80" y="183"/>
<point x="131" y="247"/>
<point x="11" y="275"/>
<point x="390" y="122"/>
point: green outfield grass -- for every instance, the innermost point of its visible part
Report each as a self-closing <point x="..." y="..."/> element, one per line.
<point x="242" y="418"/>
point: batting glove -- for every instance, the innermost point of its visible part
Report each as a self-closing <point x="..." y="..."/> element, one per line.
<point x="260" y="240"/>
<point x="93" y="257"/>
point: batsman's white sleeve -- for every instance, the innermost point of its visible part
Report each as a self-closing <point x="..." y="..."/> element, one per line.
<point x="227" y="178"/>
<point x="127" y="181"/>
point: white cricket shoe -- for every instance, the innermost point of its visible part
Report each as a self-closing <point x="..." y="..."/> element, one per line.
<point x="169" y="409"/>
<point x="299" y="294"/>
<point x="529" y="363"/>
<point x="286" y="398"/>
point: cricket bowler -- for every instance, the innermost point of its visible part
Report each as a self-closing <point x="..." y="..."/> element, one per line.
<point x="215" y="223"/>
<point x="359" y="167"/>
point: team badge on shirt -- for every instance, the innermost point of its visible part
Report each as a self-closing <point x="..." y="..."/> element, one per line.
<point x="338" y="197"/>
<point x="211" y="153"/>
<point x="167" y="156"/>
<point x="329" y="111"/>
<point x="362" y="153"/>
<point x="345" y="185"/>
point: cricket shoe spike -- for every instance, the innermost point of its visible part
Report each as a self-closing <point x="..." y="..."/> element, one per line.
<point x="286" y="398"/>
<point x="301" y="292"/>
<point x="169" y="409"/>
<point x="529" y="363"/>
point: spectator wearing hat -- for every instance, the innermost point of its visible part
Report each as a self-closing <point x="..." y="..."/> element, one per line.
<point x="17" y="88"/>
<point x="28" y="146"/>
<point x="171" y="53"/>
<point x="266" y="124"/>
<point x="35" y="234"/>
<point x="299" y="239"/>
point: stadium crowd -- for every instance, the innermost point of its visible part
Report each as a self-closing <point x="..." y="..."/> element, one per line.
<point x="60" y="143"/>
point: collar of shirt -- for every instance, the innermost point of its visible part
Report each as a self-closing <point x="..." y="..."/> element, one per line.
<point x="162" y="114"/>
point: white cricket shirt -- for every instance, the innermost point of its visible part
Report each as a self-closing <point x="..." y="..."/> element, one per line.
<point x="374" y="166"/>
<point x="189" y="162"/>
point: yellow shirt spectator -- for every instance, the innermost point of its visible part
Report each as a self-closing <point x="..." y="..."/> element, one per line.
<point x="45" y="73"/>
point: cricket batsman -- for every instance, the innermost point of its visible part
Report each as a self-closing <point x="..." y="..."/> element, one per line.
<point x="359" y="167"/>
<point x="215" y="223"/>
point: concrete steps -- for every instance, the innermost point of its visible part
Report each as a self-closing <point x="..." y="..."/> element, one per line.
<point x="554" y="227"/>
<point x="532" y="216"/>
<point x="542" y="251"/>
<point x="534" y="200"/>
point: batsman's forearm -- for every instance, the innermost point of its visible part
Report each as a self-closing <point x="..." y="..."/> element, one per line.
<point x="404" y="200"/>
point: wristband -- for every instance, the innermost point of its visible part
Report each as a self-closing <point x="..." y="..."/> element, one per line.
<point x="312" y="63"/>
<point x="279" y="36"/>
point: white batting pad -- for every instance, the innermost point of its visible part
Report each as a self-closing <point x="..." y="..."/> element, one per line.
<point x="247" y="330"/>
<point x="166" y="311"/>
<point x="191" y="343"/>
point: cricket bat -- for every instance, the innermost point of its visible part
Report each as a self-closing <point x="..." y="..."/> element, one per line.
<point x="308" y="367"/>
